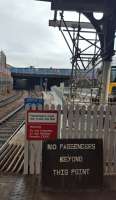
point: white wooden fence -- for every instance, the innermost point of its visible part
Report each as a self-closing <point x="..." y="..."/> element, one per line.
<point x="80" y="122"/>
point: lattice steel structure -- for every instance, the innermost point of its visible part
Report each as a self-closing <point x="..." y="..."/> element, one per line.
<point x="84" y="45"/>
<point x="105" y="29"/>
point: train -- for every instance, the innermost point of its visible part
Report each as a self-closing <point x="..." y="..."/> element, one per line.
<point x="6" y="80"/>
<point x="112" y="84"/>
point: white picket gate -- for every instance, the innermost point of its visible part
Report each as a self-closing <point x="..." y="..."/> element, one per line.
<point x="80" y="122"/>
<point x="93" y="122"/>
<point x="33" y="149"/>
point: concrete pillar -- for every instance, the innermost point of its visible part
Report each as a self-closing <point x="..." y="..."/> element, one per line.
<point x="105" y="82"/>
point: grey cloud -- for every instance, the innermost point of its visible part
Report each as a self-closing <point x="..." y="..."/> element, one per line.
<point x="26" y="38"/>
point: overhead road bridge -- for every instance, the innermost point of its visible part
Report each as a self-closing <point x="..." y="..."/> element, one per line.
<point x="29" y="77"/>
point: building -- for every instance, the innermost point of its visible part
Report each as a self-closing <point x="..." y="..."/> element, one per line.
<point x="6" y="80"/>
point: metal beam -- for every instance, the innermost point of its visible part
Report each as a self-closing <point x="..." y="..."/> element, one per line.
<point x="71" y="24"/>
<point x="44" y="0"/>
<point x="83" y="5"/>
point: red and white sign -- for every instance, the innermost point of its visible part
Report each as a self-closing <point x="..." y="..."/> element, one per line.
<point x="42" y="124"/>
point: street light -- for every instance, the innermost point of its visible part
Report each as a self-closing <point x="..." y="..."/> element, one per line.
<point x="45" y="84"/>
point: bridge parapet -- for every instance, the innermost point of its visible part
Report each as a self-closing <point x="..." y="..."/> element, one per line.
<point x="41" y="71"/>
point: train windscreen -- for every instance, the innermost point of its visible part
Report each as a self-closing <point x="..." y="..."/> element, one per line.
<point x="113" y="74"/>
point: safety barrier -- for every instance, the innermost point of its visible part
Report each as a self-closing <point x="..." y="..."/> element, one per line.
<point x="80" y="122"/>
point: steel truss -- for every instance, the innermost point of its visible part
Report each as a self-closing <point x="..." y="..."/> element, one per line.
<point x="85" y="51"/>
<point x="84" y="45"/>
<point x="105" y="28"/>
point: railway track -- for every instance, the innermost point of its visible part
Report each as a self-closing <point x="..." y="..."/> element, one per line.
<point x="9" y="106"/>
<point x="10" y="123"/>
<point x="10" y="99"/>
<point x="12" y="153"/>
<point x="12" y="133"/>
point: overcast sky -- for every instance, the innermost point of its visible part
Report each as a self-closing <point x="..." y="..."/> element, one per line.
<point x="26" y="38"/>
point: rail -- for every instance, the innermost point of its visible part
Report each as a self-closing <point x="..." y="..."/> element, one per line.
<point x="11" y="114"/>
<point x="12" y="151"/>
<point x="10" y="99"/>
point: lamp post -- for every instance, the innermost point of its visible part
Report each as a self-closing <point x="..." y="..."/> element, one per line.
<point x="45" y="84"/>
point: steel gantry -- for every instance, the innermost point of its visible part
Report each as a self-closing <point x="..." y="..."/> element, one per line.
<point x="103" y="41"/>
<point x="83" y="43"/>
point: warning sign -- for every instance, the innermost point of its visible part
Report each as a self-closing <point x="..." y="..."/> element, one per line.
<point x="42" y="117"/>
<point x="42" y="125"/>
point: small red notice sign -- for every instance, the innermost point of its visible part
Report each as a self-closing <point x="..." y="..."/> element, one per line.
<point x="42" y="124"/>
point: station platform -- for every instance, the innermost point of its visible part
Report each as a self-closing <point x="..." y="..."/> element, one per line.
<point x="19" y="187"/>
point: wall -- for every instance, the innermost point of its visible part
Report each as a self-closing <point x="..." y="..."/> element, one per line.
<point x="6" y="81"/>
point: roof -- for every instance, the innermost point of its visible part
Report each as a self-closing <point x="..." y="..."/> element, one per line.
<point x="83" y="5"/>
